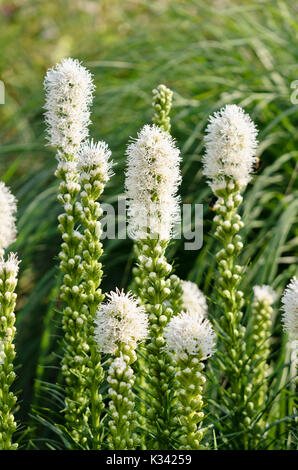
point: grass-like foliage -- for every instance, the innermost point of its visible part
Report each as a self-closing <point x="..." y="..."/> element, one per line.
<point x="190" y="349"/>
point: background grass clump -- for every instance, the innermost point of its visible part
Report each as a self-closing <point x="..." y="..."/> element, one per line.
<point x="242" y="52"/>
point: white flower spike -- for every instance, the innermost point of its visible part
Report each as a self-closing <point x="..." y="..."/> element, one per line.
<point x="8" y="209"/>
<point x="69" y="94"/>
<point x="290" y="309"/>
<point x="191" y="335"/>
<point x="152" y="180"/>
<point x="120" y="321"/>
<point x="264" y="294"/>
<point x="231" y="142"/>
<point x="193" y="299"/>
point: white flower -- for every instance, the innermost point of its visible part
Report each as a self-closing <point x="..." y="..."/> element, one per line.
<point x="190" y="334"/>
<point x="8" y="208"/>
<point x="10" y="265"/>
<point x="193" y="299"/>
<point x="231" y="144"/>
<point x="152" y="180"/>
<point x="264" y="294"/>
<point x="95" y="155"/>
<point x="69" y="93"/>
<point x="120" y="321"/>
<point x="290" y="309"/>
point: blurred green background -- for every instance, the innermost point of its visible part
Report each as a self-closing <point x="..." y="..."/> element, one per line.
<point x="209" y="53"/>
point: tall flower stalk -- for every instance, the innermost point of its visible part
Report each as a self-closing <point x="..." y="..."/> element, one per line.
<point x="290" y="311"/>
<point x="8" y="281"/>
<point x="228" y="163"/>
<point x="259" y="354"/>
<point x="95" y="170"/>
<point x="290" y="325"/>
<point x="120" y="325"/>
<point x="162" y="105"/>
<point x="9" y="267"/>
<point x="191" y="339"/>
<point x="69" y="92"/>
<point x="152" y="180"/>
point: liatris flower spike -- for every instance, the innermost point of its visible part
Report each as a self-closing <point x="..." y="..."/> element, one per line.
<point x="69" y="91"/>
<point x="8" y="280"/>
<point x="231" y="143"/>
<point x="290" y="310"/>
<point x="152" y="180"/>
<point x="191" y="339"/>
<point x="94" y="168"/>
<point x="120" y="325"/>
<point x="259" y="354"/>
<point x="69" y="94"/>
<point x="162" y="104"/>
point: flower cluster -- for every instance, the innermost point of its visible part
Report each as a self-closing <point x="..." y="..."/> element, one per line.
<point x="190" y="334"/>
<point x="231" y="144"/>
<point x="193" y="299"/>
<point x="7" y="217"/>
<point x="10" y="266"/>
<point x="152" y="180"/>
<point x="264" y="294"/>
<point x="290" y="309"/>
<point x="120" y="321"/>
<point x="69" y="93"/>
<point x="95" y="155"/>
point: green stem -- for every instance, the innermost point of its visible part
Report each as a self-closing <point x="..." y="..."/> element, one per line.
<point x="153" y="287"/>
<point x="259" y="356"/>
<point x="190" y="402"/>
<point x="234" y="358"/>
<point x="92" y="188"/>
<point x="75" y="340"/>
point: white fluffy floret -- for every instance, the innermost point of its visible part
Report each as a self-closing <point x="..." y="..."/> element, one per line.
<point x="152" y="180"/>
<point x="190" y="334"/>
<point x="264" y="294"/>
<point x="193" y="299"/>
<point x="69" y="93"/>
<point x="231" y="142"/>
<point x="120" y="321"/>
<point x="10" y="265"/>
<point x="290" y="309"/>
<point x="95" y="155"/>
<point x="8" y="209"/>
